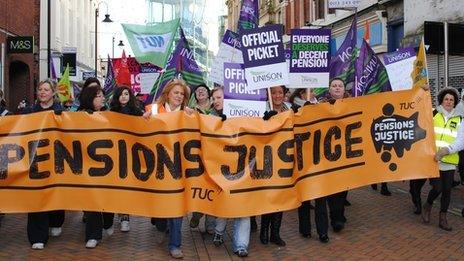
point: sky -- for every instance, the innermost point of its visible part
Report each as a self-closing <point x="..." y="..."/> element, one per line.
<point x="136" y="13"/>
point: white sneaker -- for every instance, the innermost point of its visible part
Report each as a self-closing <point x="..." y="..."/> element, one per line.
<point x="125" y="227"/>
<point x="38" y="246"/>
<point x="110" y="231"/>
<point x="55" y="231"/>
<point x="92" y="243"/>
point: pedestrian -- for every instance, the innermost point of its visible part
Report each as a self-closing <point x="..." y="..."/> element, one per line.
<point x="299" y="98"/>
<point x="39" y="223"/>
<point x="203" y="106"/>
<point x="92" y="99"/>
<point x="3" y="110"/>
<point x="241" y="235"/>
<point x="174" y="97"/>
<point x="337" y="201"/>
<point x="202" y="98"/>
<point x="124" y="101"/>
<point x="274" y="220"/>
<point x="446" y="124"/>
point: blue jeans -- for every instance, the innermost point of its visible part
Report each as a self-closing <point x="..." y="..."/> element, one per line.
<point x="241" y="237"/>
<point x="175" y="232"/>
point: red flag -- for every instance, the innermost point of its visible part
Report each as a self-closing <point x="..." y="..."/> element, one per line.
<point x="123" y="76"/>
<point x="367" y="32"/>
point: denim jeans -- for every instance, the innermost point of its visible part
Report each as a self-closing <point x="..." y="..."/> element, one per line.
<point x="175" y="232"/>
<point x="241" y="237"/>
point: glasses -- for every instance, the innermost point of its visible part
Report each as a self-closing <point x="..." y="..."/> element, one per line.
<point x="200" y="90"/>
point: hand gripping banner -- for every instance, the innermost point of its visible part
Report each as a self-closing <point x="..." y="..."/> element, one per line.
<point x="175" y="163"/>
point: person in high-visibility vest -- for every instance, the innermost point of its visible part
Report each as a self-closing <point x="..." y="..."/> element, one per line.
<point x="174" y="97"/>
<point x="446" y="124"/>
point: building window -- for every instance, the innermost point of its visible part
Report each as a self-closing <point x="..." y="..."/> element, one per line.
<point x="320" y="9"/>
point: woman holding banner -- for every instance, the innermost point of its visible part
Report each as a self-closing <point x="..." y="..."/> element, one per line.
<point x="38" y="223"/>
<point x="274" y="220"/>
<point x="174" y="97"/>
<point x="298" y="99"/>
<point x="124" y="101"/>
<point x="336" y="201"/>
<point x="446" y="124"/>
<point x="92" y="99"/>
<point x="241" y="235"/>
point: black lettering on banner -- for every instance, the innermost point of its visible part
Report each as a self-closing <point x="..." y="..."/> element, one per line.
<point x="205" y="195"/>
<point x="193" y="172"/>
<point x="35" y="158"/>
<point x="317" y="147"/>
<point x="351" y="141"/>
<point x="5" y="158"/>
<point x="299" y="139"/>
<point x="225" y="169"/>
<point x="174" y="167"/>
<point x="335" y="132"/>
<point x="62" y="154"/>
<point x="285" y="157"/>
<point x="106" y="159"/>
<point x="266" y="171"/>
<point x="122" y="149"/>
<point x="149" y="156"/>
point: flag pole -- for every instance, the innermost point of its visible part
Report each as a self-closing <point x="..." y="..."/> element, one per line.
<point x="271" y="106"/>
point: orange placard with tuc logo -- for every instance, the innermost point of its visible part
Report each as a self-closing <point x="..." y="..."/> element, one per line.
<point x="175" y="163"/>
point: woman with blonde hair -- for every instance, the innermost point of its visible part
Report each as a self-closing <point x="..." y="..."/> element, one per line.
<point x="38" y="223"/>
<point x="174" y="97"/>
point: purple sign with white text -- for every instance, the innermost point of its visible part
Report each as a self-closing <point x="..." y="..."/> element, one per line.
<point x="310" y="50"/>
<point x="262" y="46"/>
<point x="399" y="55"/>
<point x="235" y="86"/>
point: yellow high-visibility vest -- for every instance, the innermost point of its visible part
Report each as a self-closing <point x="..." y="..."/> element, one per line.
<point x="445" y="134"/>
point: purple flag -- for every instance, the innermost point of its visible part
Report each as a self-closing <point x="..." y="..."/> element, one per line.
<point x="52" y="69"/>
<point x="370" y="74"/>
<point x="110" y="81"/>
<point x="249" y="15"/>
<point x="181" y="63"/>
<point x="342" y="64"/>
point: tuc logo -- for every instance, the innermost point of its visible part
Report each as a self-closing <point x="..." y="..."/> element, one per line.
<point x="395" y="131"/>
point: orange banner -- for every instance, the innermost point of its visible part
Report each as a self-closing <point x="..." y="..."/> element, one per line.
<point x="175" y="163"/>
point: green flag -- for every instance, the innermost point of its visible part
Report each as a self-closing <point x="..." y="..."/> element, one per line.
<point x="151" y="43"/>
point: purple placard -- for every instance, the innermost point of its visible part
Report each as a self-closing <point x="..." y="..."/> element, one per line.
<point x="235" y="84"/>
<point x="232" y="39"/>
<point x="262" y="46"/>
<point x="401" y="54"/>
<point x="310" y="50"/>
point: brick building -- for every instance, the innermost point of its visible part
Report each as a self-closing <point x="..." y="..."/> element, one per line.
<point x="21" y="71"/>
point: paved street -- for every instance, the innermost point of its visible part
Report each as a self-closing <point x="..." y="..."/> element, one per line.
<point x="378" y="227"/>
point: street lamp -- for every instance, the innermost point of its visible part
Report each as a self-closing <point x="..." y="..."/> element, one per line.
<point x="106" y="20"/>
<point x="120" y="44"/>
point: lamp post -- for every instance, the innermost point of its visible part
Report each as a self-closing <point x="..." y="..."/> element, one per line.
<point x="106" y="20"/>
<point x="120" y="44"/>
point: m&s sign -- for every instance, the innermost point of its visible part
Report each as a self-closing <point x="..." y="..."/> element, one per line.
<point x="20" y="44"/>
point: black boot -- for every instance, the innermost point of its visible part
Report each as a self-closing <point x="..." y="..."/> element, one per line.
<point x="264" y="232"/>
<point x="374" y="186"/>
<point x="384" y="190"/>
<point x="276" y="221"/>
<point x="418" y="206"/>
<point x="253" y="224"/>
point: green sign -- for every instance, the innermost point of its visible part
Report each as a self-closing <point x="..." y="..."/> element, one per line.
<point x="20" y="44"/>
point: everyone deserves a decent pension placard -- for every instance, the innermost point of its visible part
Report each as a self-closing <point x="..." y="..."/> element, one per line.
<point x="310" y="58"/>
<point x="263" y="57"/>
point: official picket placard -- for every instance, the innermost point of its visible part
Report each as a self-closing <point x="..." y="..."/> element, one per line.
<point x="174" y="163"/>
<point x="399" y="66"/>
<point x="310" y="58"/>
<point x="229" y="51"/>
<point x="238" y="100"/>
<point x="264" y="57"/>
